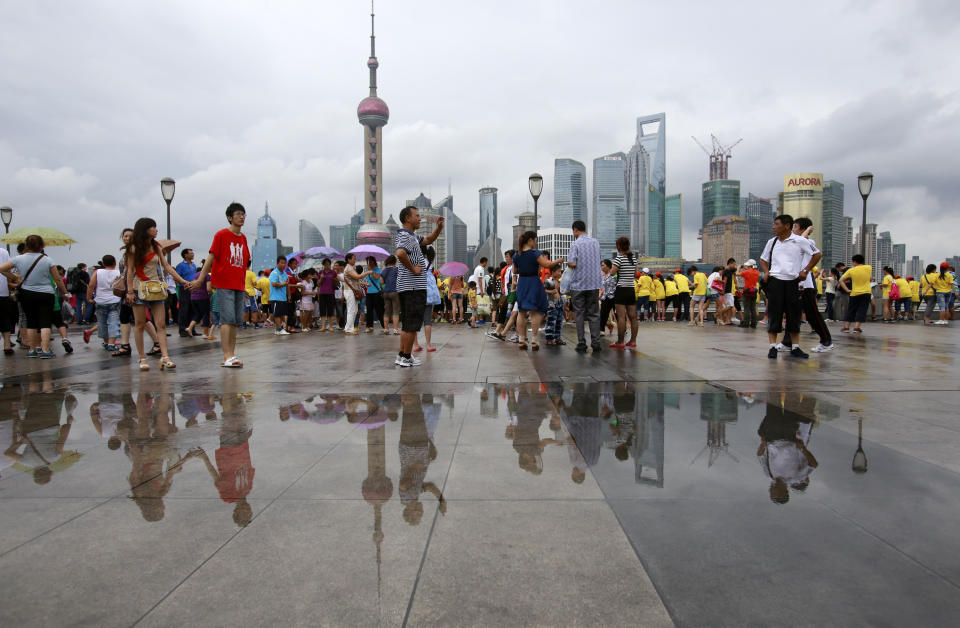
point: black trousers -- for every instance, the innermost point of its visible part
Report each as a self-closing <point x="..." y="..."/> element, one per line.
<point x="184" y="315"/>
<point x="685" y="305"/>
<point x="375" y="306"/>
<point x="808" y="301"/>
<point x="783" y="298"/>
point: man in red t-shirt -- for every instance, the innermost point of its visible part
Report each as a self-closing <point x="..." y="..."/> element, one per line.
<point x="228" y="259"/>
<point x="750" y="276"/>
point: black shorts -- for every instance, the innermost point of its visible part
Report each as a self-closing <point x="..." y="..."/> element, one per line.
<point x="326" y="306"/>
<point x="126" y="313"/>
<point x="38" y="308"/>
<point x="624" y="296"/>
<point x="8" y="314"/>
<point x="413" y="303"/>
<point x="279" y="308"/>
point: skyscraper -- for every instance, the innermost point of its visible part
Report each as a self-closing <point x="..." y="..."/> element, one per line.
<point x="915" y="267"/>
<point x="870" y="250"/>
<point x="803" y="196"/>
<point x="267" y="247"/>
<point x="759" y="214"/>
<point x="610" y="217"/>
<point x="310" y="236"/>
<point x="884" y="250"/>
<point x="725" y="237"/>
<point x="373" y="114"/>
<point x="569" y="192"/>
<point x="488" y="213"/>
<point x="639" y="190"/>
<point x="832" y="231"/>
<point x="720" y="197"/>
<point x="899" y="262"/>
<point x="848" y="240"/>
<point x="672" y="230"/>
<point x="648" y="229"/>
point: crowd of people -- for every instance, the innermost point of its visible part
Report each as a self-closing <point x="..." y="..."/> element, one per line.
<point x="137" y="292"/>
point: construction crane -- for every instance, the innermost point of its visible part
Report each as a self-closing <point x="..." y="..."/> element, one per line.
<point x="719" y="157"/>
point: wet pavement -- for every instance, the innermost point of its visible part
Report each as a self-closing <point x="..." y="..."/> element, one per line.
<point x="693" y="482"/>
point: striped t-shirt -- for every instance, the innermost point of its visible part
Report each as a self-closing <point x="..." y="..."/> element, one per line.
<point x="410" y="242"/>
<point x="627" y="270"/>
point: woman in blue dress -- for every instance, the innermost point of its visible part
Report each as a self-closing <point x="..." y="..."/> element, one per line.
<point x="531" y="297"/>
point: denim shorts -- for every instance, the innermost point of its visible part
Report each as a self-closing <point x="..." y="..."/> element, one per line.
<point x="944" y="300"/>
<point x="697" y="298"/>
<point x="108" y="320"/>
<point x="231" y="303"/>
<point x="251" y="305"/>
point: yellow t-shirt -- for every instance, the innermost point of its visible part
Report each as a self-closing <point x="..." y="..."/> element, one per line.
<point x="904" y="287"/>
<point x="887" y="280"/>
<point x="263" y="284"/>
<point x="683" y="284"/>
<point x="915" y="291"/>
<point x="943" y="285"/>
<point x="670" y="288"/>
<point x="860" y="279"/>
<point x="819" y="283"/>
<point x="250" y="280"/>
<point x="927" y="284"/>
<point x="658" y="289"/>
<point x="644" y="286"/>
<point x="699" y="284"/>
<point x="472" y="298"/>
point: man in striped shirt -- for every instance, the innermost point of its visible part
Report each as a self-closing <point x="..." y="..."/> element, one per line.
<point x="412" y="281"/>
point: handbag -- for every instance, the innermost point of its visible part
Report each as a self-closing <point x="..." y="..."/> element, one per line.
<point x="433" y="292"/>
<point x="151" y="289"/>
<point x="894" y="291"/>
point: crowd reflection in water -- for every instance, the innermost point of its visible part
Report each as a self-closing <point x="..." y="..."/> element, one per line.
<point x="35" y="422"/>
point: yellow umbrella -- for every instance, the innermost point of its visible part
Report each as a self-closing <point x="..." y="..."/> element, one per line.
<point x="51" y="236"/>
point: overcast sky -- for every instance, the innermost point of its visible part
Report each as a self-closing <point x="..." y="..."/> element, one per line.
<point x="257" y="102"/>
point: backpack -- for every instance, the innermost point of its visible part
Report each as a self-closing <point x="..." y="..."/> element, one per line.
<point x="72" y="280"/>
<point x="894" y="291"/>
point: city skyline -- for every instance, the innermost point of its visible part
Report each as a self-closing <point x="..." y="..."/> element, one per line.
<point x="262" y="115"/>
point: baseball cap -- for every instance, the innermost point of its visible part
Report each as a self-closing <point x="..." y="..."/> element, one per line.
<point x="646" y="270"/>
<point x="944" y="264"/>
<point x="751" y="262"/>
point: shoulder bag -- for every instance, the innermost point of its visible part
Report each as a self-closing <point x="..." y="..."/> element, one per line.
<point x="151" y="289"/>
<point x="13" y="291"/>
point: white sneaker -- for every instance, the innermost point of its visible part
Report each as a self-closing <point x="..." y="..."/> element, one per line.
<point x="822" y="348"/>
<point x="415" y="361"/>
<point x="282" y="332"/>
<point x="941" y="323"/>
<point x="734" y="321"/>
<point x="402" y="361"/>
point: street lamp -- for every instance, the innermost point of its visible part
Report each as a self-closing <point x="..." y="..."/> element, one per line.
<point x="536" y="187"/>
<point x="167" y="188"/>
<point x="6" y="215"/>
<point x="859" y="458"/>
<point x="865" y="181"/>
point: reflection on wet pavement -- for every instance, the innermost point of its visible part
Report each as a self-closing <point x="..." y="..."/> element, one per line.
<point x="701" y="484"/>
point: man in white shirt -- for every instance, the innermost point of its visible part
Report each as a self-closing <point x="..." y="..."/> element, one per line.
<point x="803" y="227"/>
<point x="783" y="270"/>
<point x="480" y="276"/>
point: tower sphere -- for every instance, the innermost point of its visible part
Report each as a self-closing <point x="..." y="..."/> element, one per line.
<point x="373" y="112"/>
<point x="372" y="63"/>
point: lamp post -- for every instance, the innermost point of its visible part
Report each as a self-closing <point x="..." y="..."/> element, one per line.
<point x="167" y="188"/>
<point x="536" y="187"/>
<point x="865" y="181"/>
<point x="6" y="215"/>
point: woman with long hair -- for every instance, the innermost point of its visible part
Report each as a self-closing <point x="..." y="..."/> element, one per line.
<point x="38" y="281"/>
<point x="146" y="287"/>
<point x="887" y="282"/>
<point x="531" y="295"/>
<point x="126" y="311"/>
<point x="625" y="299"/>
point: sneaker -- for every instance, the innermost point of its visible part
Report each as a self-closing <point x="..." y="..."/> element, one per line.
<point x="402" y="361"/>
<point x="596" y="348"/>
<point x="492" y="333"/>
<point x="581" y="348"/>
<point x="32" y="353"/>
<point x="773" y="353"/>
<point x="857" y="331"/>
<point x="44" y="355"/>
<point x="845" y="330"/>
<point x="110" y="348"/>
<point x="281" y="332"/>
<point x="940" y="323"/>
<point x="797" y="352"/>
<point x="514" y="339"/>
<point x="782" y="348"/>
<point x="822" y="348"/>
<point x="67" y="346"/>
<point x="415" y="361"/>
<point x="86" y="335"/>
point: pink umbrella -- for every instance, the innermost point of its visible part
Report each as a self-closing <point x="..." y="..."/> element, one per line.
<point x="454" y="269"/>
<point x="367" y="250"/>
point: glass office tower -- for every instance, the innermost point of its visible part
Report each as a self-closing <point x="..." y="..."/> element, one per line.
<point x="672" y="226"/>
<point x="569" y="192"/>
<point x="610" y="218"/>
<point x="719" y="198"/>
<point x="488" y="213"/>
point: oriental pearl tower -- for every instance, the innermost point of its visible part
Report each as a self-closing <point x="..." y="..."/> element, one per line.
<point x="373" y="115"/>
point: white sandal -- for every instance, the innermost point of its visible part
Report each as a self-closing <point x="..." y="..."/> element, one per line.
<point x="232" y="363"/>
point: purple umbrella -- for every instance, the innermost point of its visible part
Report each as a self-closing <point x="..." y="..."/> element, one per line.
<point x="369" y="250"/>
<point x="454" y="269"/>
<point x="320" y="252"/>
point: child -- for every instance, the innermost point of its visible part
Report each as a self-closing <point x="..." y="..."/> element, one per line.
<point x="555" y="308"/>
<point x="307" y="291"/>
<point x="471" y="303"/>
